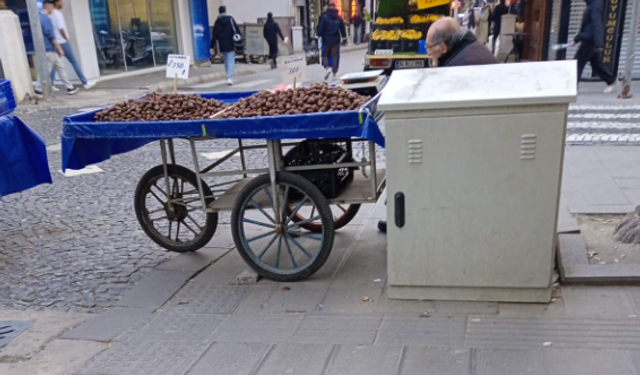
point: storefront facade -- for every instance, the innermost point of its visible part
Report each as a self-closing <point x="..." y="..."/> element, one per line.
<point x="116" y="37"/>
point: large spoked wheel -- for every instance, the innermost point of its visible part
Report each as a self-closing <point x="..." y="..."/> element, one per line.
<point x="274" y="245"/>
<point x="342" y="215"/>
<point x="174" y="219"/>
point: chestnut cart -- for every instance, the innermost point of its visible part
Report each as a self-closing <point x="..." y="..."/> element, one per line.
<point x="284" y="209"/>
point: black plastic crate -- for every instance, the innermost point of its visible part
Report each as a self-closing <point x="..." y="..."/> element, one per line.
<point x="395" y="45"/>
<point x="378" y="44"/>
<point x="410" y="45"/>
<point x="315" y="152"/>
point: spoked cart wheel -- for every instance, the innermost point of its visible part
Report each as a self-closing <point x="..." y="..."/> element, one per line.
<point x="173" y="218"/>
<point x="274" y="245"/>
<point x="342" y="215"/>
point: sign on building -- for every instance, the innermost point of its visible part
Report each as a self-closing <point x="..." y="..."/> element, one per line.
<point x="614" y="13"/>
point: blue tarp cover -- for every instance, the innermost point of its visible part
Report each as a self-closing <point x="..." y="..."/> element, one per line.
<point x="85" y="142"/>
<point x="23" y="157"/>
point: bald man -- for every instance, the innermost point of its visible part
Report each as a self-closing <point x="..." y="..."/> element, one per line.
<point x="449" y="45"/>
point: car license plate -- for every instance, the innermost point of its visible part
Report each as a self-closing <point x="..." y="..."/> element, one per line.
<point x="410" y="64"/>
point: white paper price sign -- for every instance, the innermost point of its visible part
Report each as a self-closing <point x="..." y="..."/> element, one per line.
<point x="293" y="68"/>
<point x="178" y="66"/>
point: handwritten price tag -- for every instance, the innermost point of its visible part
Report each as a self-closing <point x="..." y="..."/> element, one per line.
<point x="293" y="67"/>
<point x="178" y="65"/>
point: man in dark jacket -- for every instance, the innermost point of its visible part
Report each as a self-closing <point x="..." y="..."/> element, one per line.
<point x="224" y="30"/>
<point x="358" y="22"/>
<point x="331" y="29"/>
<point x="591" y="39"/>
<point x="449" y="45"/>
<point x="496" y="18"/>
<point x="271" y="32"/>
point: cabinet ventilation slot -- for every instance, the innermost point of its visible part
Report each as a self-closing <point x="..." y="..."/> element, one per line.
<point x="528" y="145"/>
<point x="414" y="151"/>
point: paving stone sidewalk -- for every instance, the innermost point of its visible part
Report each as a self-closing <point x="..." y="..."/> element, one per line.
<point x="323" y="325"/>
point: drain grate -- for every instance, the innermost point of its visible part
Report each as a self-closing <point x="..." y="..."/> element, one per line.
<point x="9" y="330"/>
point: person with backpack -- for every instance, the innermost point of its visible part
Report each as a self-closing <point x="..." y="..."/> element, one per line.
<point x="224" y="37"/>
<point x="332" y="30"/>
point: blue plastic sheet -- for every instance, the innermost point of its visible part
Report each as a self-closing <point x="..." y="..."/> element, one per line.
<point x="23" y="157"/>
<point x="85" y="142"/>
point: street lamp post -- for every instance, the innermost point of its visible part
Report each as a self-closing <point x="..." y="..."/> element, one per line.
<point x="42" y="63"/>
<point x="631" y="52"/>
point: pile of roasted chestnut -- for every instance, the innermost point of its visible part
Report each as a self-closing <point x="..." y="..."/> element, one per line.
<point x="317" y="98"/>
<point x="161" y="107"/>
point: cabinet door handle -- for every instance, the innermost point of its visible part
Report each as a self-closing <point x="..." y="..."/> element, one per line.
<point x="399" y="209"/>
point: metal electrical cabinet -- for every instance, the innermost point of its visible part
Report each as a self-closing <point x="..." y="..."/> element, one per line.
<point x="474" y="166"/>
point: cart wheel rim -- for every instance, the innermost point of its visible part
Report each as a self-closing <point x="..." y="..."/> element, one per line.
<point x="283" y="248"/>
<point x="175" y="217"/>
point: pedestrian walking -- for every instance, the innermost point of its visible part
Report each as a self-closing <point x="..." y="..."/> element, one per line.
<point x="591" y="39"/>
<point x="482" y="32"/>
<point x="471" y="17"/>
<point x="271" y="32"/>
<point x="496" y="18"/>
<point x="53" y="48"/>
<point x="62" y="36"/>
<point x="357" y="28"/>
<point x="332" y="30"/>
<point x="223" y="38"/>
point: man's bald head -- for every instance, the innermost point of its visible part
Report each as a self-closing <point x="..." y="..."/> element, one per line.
<point x="442" y="35"/>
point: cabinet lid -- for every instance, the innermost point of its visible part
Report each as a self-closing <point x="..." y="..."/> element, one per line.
<point x="549" y="82"/>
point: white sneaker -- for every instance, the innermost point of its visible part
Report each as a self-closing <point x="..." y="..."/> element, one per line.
<point x="327" y="74"/>
<point x="54" y="89"/>
<point x="230" y="82"/>
<point x="611" y="87"/>
<point x="89" y="85"/>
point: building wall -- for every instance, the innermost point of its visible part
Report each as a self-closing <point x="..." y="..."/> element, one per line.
<point x="213" y="10"/>
<point x="250" y="10"/>
<point x="78" y="17"/>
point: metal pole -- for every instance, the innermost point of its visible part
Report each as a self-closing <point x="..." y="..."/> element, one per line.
<point x="42" y="63"/>
<point x="631" y="51"/>
<point x="455" y="10"/>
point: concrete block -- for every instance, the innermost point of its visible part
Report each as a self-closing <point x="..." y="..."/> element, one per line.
<point x="435" y="361"/>
<point x="299" y="359"/>
<point x="331" y="329"/>
<point x="248" y="276"/>
<point x="586" y="362"/>
<point x="511" y="361"/>
<point x="156" y="289"/>
<point x="258" y="328"/>
<point x="566" y="222"/>
<point x="345" y="300"/>
<point x="592" y="301"/>
<point x="365" y="360"/>
<point x="453" y="308"/>
<point x="295" y="298"/>
<point x="106" y="326"/>
<point x="208" y="299"/>
<point x="230" y="358"/>
<point x="427" y="331"/>
<point x="194" y="261"/>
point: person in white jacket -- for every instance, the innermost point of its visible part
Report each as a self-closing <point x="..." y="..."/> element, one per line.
<point x="62" y="36"/>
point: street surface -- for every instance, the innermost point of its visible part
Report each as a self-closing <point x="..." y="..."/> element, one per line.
<point x="75" y="247"/>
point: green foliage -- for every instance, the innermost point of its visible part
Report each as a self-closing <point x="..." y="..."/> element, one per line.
<point x="391" y="8"/>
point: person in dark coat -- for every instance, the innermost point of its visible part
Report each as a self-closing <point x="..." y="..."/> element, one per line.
<point x="271" y="32"/>
<point x="332" y="30"/>
<point x="591" y="39"/>
<point x="222" y="35"/>
<point x="496" y="18"/>
<point x="358" y="22"/>
<point x="449" y="45"/>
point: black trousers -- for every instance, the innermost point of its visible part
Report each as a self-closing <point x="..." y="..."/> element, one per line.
<point x="273" y="51"/>
<point x="331" y="50"/>
<point x="587" y="53"/>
